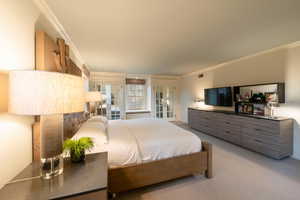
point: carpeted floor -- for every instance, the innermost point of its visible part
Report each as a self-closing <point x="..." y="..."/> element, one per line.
<point x="239" y="174"/>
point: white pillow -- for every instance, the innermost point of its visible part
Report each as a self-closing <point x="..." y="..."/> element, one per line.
<point x="95" y="119"/>
<point x="100" y="120"/>
<point x="97" y="131"/>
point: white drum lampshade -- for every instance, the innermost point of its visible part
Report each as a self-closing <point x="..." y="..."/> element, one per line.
<point x="45" y="93"/>
<point x="50" y="95"/>
<point x="93" y="96"/>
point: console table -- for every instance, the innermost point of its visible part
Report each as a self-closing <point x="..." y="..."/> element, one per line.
<point x="84" y="181"/>
<point x="272" y="137"/>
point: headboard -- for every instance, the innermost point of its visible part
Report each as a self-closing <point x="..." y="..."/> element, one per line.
<point x="72" y="122"/>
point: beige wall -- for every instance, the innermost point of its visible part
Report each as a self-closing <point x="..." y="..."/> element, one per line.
<point x="19" y="21"/>
<point x="3" y="92"/>
<point x="17" y="34"/>
<point x="292" y="106"/>
<point x="281" y="65"/>
<point x="17" y="52"/>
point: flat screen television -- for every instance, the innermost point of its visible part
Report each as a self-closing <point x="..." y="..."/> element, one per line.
<point x="218" y="96"/>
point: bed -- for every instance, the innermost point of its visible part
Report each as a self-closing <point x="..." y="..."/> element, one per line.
<point x="143" y="152"/>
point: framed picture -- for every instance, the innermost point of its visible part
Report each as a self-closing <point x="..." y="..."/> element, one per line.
<point x="245" y="108"/>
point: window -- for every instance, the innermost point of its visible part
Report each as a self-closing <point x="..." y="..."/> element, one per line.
<point x="136" y="97"/>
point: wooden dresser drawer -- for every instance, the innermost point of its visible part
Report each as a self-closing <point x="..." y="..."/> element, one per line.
<point x="264" y="136"/>
<point x="267" y="125"/>
<point x="260" y="129"/>
<point x="222" y="124"/>
<point x="230" y="135"/>
<point x="206" y="129"/>
<point x="228" y="118"/>
<point x="260" y="145"/>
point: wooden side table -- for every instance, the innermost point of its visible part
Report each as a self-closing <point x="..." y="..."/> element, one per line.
<point x="84" y="181"/>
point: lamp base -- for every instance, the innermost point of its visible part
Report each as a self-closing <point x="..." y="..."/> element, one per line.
<point x="51" y="167"/>
<point x="51" y="145"/>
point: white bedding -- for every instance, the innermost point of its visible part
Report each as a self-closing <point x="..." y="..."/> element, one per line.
<point x="142" y="140"/>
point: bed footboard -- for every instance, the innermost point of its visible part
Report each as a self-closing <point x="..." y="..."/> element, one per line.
<point x="135" y="176"/>
<point x="207" y="147"/>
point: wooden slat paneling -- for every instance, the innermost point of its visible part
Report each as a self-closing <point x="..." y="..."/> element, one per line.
<point x="45" y="49"/>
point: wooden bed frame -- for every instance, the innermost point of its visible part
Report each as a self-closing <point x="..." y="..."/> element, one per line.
<point x="135" y="176"/>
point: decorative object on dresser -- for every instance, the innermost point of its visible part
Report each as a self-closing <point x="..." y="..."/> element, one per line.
<point x="270" y="136"/>
<point x="76" y="148"/>
<point x="84" y="181"/>
<point x="50" y="95"/>
<point x="257" y="99"/>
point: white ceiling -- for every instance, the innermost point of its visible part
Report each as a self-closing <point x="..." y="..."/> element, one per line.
<point x="174" y="36"/>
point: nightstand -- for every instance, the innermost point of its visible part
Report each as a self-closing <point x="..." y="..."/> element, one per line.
<point x="84" y="181"/>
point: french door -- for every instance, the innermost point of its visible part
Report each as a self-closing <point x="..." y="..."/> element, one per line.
<point x="164" y="102"/>
<point x="113" y="106"/>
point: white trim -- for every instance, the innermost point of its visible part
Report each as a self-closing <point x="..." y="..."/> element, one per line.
<point x="165" y="77"/>
<point x="213" y="67"/>
<point x="46" y="10"/>
<point x="109" y="74"/>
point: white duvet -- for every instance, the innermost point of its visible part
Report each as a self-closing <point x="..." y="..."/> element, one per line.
<point x="143" y="140"/>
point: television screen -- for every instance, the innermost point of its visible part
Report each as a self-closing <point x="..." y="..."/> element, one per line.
<point x="218" y="96"/>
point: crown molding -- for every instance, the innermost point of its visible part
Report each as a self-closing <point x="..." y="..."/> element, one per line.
<point x="213" y="67"/>
<point x="48" y="13"/>
<point x="166" y="77"/>
<point x="108" y="74"/>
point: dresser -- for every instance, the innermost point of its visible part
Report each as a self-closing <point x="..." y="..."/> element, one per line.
<point x="80" y="181"/>
<point x="272" y="137"/>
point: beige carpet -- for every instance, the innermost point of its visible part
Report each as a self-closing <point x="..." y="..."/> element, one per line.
<point x="239" y="174"/>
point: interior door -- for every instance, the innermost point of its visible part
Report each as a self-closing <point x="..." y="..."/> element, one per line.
<point x="164" y="102"/>
<point x="113" y="106"/>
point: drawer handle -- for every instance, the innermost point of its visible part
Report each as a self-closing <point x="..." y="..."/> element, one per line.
<point x="257" y="129"/>
<point x="227" y="122"/>
<point x="227" y="131"/>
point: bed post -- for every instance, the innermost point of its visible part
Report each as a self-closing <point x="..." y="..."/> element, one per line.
<point x="208" y="148"/>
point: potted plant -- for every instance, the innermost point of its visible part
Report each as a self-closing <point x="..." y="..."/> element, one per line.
<point x="77" y="147"/>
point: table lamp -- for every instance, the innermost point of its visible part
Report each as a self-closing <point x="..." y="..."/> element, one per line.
<point x="92" y="98"/>
<point x="50" y="95"/>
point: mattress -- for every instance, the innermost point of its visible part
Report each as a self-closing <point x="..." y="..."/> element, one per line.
<point x="143" y="140"/>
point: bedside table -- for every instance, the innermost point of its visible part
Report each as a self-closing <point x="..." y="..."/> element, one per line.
<point x="84" y="181"/>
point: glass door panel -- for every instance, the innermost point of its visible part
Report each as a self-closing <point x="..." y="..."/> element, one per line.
<point x="112" y="107"/>
<point x="164" y="102"/>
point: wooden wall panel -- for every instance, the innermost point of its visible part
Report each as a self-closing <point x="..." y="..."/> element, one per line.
<point x="73" y="69"/>
<point x="36" y="141"/>
<point x="62" y="52"/>
<point x="72" y="123"/>
<point x="45" y="52"/>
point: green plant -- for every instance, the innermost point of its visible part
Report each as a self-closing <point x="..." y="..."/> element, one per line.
<point x="77" y="147"/>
